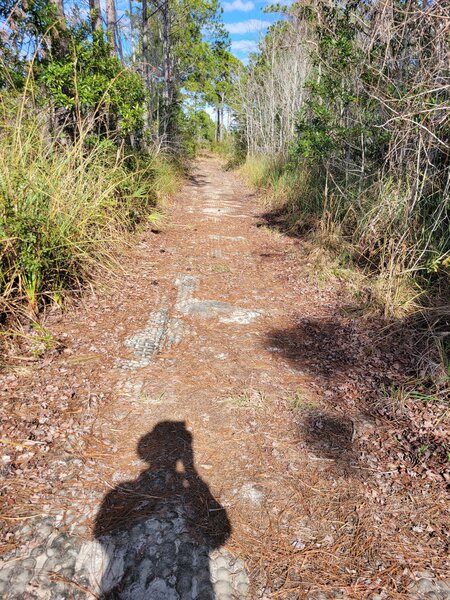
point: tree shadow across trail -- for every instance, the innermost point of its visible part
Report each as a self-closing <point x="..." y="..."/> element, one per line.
<point x="198" y="180"/>
<point x="330" y="436"/>
<point x="320" y="347"/>
<point x="331" y="352"/>
<point x="158" y="530"/>
<point x="285" y="222"/>
<point x="355" y="367"/>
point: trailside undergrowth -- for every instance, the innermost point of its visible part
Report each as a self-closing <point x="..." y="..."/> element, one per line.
<point x="361" y="171"/>
<point x="67" y="207"/>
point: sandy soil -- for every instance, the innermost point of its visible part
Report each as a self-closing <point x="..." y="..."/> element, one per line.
<point x="217" y="325"/>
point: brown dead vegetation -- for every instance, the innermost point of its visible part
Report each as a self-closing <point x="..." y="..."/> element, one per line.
<point x="335" y="481"/>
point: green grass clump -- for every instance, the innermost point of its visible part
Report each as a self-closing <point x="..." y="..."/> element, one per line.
<point x="66" y="207"/>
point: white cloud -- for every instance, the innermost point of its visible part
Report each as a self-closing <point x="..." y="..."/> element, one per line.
<point x="280" y="2"/>
<point x="241" y="5"/>
<point x="247" y="26"/>
<point x="244" y="46"/>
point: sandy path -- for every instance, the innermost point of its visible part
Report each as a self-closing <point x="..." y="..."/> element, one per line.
<point x="195" y="480"/>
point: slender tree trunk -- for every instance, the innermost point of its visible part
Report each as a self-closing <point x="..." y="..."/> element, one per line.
<point x="130" y="4"/>
<point x="111" y="21"/>
<point x="145" y="42"/>
<point x="96" y="15"/>
<point x="219" y="118"/>
<point x="218" y="123"/>
<point x="146" y="58"/>
<point x="119" y="42"/>
<point x="222" y="106"/>
<point x="167" y="72"/>
<point x="59" y="41"/>
<point x="166" y="51"/>
<point x="130" y="8"/>
<point x="59" y="4"/>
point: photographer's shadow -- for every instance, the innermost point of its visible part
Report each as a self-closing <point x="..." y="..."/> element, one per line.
<point x="158" y="530"/>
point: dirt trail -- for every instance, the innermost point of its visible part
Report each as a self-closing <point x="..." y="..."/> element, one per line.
<point x="195" y="477"/>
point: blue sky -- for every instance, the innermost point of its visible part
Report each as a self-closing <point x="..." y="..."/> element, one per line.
<point x="246" y="23"/>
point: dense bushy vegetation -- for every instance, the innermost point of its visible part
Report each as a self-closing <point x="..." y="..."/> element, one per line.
<point x="65" y="208"/>
<point x="343" y="118"/>
<point x="95" y="124"/>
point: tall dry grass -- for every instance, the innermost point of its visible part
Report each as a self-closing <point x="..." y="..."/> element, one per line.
<point x="397" y="256"/>
<point x="66" y="206"/>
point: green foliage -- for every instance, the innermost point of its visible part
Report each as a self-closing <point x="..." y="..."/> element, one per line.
<point x="198" y="130"/>
<point x="78" y="131"/>
<point x="326" y="124"/>
<point x="79" y="74"/>
<point x="90" y="78"/>
<point x="220" y="74"/>
<point x="192" y="31"/>
<point x="367" y="167"/>
<point x="31" y="21"/>
<point x="346" y="133"/>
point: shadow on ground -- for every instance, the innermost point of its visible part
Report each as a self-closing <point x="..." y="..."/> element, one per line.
<point x="320" y="347"/>
<point x="281" y="220"/>
<point x="357" y="366"/>
<point x="158" y="530"/>
<point x="330" y="436"/>
<point x="327" y="351"/>
<point x="197" y="179"/>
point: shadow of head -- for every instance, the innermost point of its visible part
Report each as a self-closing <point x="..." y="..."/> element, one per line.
<point x="168" y="446"/>
<point x="170" y="483"/>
